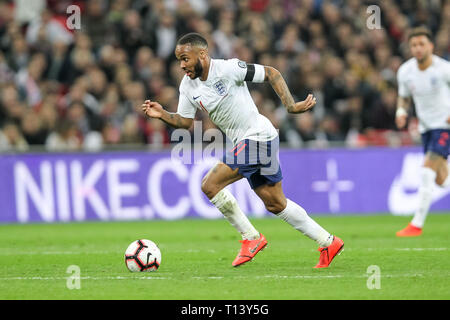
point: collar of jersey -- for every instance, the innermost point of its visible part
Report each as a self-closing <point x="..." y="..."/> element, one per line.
<point x="209" y="79"/>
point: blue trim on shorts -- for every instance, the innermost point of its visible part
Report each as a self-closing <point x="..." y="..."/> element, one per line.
<point x="257" y="161"/>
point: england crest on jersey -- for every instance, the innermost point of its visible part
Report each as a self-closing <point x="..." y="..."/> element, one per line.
<point x="220" y="88"/>
<point x="434" y="81"/>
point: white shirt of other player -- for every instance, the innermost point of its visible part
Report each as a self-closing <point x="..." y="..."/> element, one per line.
<point x="226" y="99"/>
<point x="430" y="90"/>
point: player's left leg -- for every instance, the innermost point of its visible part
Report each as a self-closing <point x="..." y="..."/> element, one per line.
<point x="436" y="147"/>
<point x="428" y="178"/>
<point x="275" y="201"/>
<point x="443" y="173"/>
<point x="433" y="172"/>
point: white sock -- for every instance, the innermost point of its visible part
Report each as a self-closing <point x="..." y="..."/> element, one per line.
<point x="425" y="197"/>
<point x="228" y="206"/>
<point x="297" y="217"/>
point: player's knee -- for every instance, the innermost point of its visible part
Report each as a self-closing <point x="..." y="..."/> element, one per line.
<point x="205" y="186"/>
<point x="275" y="206"/>
<point x="208" y="188"/>
<point x="441" y="175"/>
<point x="439" y="180"/>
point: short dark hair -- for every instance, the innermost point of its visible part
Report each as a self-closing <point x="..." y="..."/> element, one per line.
<point x="195" y="39"/>
<point x="420" y="31"/>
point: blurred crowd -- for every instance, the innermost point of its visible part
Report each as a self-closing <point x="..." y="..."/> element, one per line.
<point x="82" y="89"/>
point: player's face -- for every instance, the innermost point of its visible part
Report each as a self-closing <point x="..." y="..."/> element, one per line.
<point x="189" y="58"/>
<point x="421" y="47"/>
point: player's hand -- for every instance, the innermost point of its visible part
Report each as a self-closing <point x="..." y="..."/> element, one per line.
<point x="304" y="105"/>
<point x="152" y="109"/>
<point x="400" y="121"/>
<point x="448" y="120"/>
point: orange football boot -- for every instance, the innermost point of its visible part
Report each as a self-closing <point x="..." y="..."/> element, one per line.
<point x="249" y="249"/>
<point x="409" y="231"/>
<point x="327" y="254"/>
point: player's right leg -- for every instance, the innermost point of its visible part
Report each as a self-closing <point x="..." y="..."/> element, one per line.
<point x="213" y="185"/>
<point x="434" y="171"/>
<point x="436" y="147"/>
<point x="217" y="178"/>
<point x="427" y="179"/>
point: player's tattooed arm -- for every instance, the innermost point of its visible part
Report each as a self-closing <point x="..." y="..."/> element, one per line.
<point x="155" y="110"/>
<point x="176" y="121"/>
<point x="280" y="87"/>
<point x="276" y="80"/>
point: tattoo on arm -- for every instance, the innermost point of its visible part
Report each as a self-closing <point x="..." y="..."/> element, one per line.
<point x="174" y="120"/>
<point x="177" y="121"/>
<point x="171" y="116"/>
<point x="279" y="85"/>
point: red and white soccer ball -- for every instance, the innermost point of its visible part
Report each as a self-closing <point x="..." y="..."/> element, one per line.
<point x="142" y="256"/>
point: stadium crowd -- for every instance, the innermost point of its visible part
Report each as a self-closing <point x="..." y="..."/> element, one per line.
<point x="82" y="89"/>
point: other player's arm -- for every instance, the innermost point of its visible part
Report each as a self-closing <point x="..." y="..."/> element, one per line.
<point x="155" y="110"/>
<point x="276" y="80"/>
<point x="401" y="115"/>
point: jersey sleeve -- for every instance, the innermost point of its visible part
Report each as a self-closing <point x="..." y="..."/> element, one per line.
<point x="185" y="108"/>
<point x="447" y="73"/>
<point x="403" y="90"/>
<point x="240" y="71"/>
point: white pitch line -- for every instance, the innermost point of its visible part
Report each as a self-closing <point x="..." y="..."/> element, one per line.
<point x="86" y="278"/>
<point x="396" y="249"/>
<point x="302" y="277"/>
<point x="55" y="252"/>
<point x="194" y="251"/>
<point x="91" y="252"/>
<point x="421" y="249"/>
<point x="215" y="277"/>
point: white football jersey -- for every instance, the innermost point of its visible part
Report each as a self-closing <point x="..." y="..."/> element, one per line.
<point x="226" y="99"/>
<point x="430" y="90"/>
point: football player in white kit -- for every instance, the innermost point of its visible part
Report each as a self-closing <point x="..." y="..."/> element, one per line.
<point x="426" y="77"/>
<point x="218" y="87"/>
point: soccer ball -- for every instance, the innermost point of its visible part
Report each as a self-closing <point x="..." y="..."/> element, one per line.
<point x="142" y="256"/>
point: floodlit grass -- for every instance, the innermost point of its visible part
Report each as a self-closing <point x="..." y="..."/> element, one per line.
<point x="197" y="256"/>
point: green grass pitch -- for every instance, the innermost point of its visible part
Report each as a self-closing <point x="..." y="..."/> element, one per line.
<point x="197" y="256"/>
